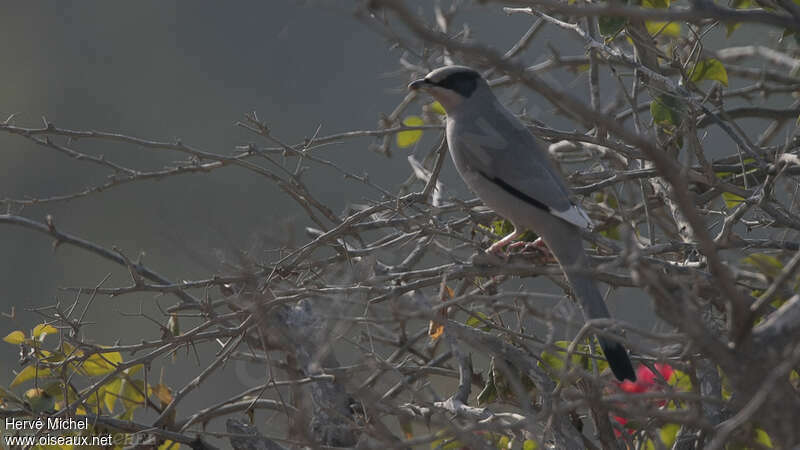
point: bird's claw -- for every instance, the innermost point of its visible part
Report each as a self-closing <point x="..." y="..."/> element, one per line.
<point x="537" y="246"/>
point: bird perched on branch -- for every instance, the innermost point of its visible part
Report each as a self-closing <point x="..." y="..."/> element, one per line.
<point x="502" y="163"/>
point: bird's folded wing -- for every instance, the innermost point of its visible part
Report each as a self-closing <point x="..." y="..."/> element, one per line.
<point x="506" y="154"/>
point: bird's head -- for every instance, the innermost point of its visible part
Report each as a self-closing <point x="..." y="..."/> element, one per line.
<point x="452" y="85"/>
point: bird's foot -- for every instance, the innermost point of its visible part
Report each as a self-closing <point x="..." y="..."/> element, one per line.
<point x="536" y="246"/>
<point x="497" y="249"/>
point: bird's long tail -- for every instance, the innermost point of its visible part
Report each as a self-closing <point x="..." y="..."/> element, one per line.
<point x="568" y="249"/>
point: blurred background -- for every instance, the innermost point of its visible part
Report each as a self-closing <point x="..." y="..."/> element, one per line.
<point x="189" y="70"/>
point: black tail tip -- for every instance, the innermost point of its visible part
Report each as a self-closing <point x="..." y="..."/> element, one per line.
<point x="618" y="360"/>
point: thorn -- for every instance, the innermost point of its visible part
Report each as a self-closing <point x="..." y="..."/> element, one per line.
<point x="10" y="119"/>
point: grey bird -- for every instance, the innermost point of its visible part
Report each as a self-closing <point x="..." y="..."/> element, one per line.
<point x="501" y="162"/>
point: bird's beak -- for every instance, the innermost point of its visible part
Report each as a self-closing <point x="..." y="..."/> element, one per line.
<point x="422" y="83"/>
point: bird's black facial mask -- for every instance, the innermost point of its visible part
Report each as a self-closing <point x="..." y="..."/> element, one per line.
<point x="463" y="83"/>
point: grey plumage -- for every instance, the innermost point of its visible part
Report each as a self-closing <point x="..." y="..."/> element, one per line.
<point x="502" y="163"/>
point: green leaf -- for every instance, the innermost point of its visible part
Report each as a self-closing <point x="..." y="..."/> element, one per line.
<point x="726" y="386"/>
<point x="556" y="359"/>
<point x="9" y="397"/>
<point x="408" y="138"/>
<point x="478" y="320"/>
<point x="787" y="32"/>
<point x="610" y="26"/>
<point x="660" y="4"/>
<point x="730" y="27"/>
<point x="611" y="202"/>
<point x="666" y="110"/>
<point x="529" y="445"/>
<point x="504" y="227"/>
<point x="709" y="69"/>
<point x="39" y="400"/>
<point x="766" y="264"/>
<point x="15" y="337"/>
<point x="446" y="442"/>
<point x="497" y="387"/>
<point x="489" y="392"/>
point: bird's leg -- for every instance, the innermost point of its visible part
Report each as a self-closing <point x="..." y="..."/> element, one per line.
<point x="497" y="247"/>
<point x="538" y="245"/>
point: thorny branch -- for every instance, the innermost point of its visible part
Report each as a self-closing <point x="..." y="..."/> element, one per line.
<point x="710" y="235"/>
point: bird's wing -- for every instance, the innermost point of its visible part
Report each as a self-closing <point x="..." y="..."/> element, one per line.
<point x="503" y="151"/>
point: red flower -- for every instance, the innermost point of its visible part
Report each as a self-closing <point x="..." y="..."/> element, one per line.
<point x="645" y="382"/>
<point x="645" y="379"/>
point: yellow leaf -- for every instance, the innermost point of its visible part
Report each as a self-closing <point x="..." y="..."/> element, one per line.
<point x="763" y="438"/>
<point x="97" y="399"/>
<point x="163" y="393"/>
<point x="478" y="320"/>
<point x="410" y="137"/>
<point x="15" y="337"/>
<point x="132" y="370"/>
<point x="732" y="200"/>
<point x="672" y="29"/>
<point x="730" y="27"/>
<point x="438" y="108"/>
<point x="435" y="330"/>
<point x="29" y="373"/>
<point x="132" y="394"/>
<point x="680" y="381"/>
<point x="169" y="445"/>
<point x="43" y="330"/>
<point x="113" y="389"/>
<point x="556" y="359"/>
<point x="101" y="364"/>
<point x="766" y="264"/>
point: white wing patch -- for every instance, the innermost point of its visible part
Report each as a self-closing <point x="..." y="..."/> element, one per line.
<point x="575" y="215"/>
